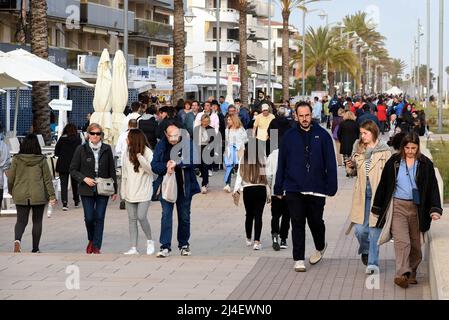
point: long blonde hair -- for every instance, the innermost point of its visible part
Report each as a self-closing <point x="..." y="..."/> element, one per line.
<point x="235" y="121"/>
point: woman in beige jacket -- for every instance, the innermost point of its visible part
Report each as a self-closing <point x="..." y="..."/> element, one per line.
<point x="136" y="187"/>
<point x="367" y="162"/>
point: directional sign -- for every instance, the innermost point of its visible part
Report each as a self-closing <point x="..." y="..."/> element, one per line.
<point x="61" y="105"/>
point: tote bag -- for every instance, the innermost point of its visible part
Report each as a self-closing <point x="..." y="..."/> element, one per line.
<point x="169" y="188"/>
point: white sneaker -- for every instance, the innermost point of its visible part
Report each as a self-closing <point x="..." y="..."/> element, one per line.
<point x="203" y="189"/>
<point x="317" y="255"/>
<point x="249" y="243"/>
<point x="227" y="188"/>
<point x="163" y="253"/>
<point x="257" y="246"/>
<point x="299" y="266"/>
<point x="131" y="251"/>
<point x="210" y="173"/>
<point x="150" y="247"/>
<point x="371" y="269"/>
<point x="65" y="209"/>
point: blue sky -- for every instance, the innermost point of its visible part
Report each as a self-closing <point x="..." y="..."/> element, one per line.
<point x="398" y="22"/>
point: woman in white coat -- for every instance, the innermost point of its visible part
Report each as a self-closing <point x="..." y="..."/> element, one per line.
<point x="136" y="187"/>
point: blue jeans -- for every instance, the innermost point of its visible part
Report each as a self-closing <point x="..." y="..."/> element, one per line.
<point x="183" y="205"/>
<point x="94" y="213"/>
<point x="366" y="235"/>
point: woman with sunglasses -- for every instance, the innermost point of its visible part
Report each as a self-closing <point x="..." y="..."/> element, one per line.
<point x="91" y="160"/>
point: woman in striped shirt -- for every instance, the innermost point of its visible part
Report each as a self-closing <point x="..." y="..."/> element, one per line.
<point x="367" y="162"/>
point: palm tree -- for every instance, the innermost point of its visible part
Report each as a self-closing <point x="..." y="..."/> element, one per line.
<point x="323" y="49"/>
<point x="243" y="63"/>
<point x="287" y="8"/>
<point x="367" y="32"/>
<point x="396" y="69"/>
<point x="178" y="51"/>
<point x="41" y="90"/>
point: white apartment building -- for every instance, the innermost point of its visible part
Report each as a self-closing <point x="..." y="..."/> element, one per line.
<point x="201" y="33"/>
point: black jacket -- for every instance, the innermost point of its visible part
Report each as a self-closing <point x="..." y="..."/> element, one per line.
<point x="83" y="165"/>
<point x="64" y="150"/>
<point x="348" y="133"/>
<point x="427" y="185"/>
<point x="282" y="124"/>
<point x="149" y="128"/>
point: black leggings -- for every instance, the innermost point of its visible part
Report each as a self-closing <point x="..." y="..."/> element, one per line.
<point x="254" y="199"/>
<point x="64" y="188"/>
<point x="23" y="212"/>
<point x="1" y="198"/>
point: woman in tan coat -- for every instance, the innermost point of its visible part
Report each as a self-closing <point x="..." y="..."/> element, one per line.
<point x="367" y="162"/>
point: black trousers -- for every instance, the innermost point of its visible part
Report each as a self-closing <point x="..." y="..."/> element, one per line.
<point x="23" y="212"/>
<point x="279" y="210"/>
<point x="1" y="198"/>
<point x="254" y="199"/>
<point x="204" y="169"/>
<point x="302" y="207"/>
<point x="65" y="185"/>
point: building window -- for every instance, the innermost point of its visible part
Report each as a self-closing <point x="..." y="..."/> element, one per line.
<point x="214" y="64"/>
<point x="214" y="33"/>
<point x="233" y="34"/>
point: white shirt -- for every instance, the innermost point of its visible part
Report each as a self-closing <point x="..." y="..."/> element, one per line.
<point x="130" y="116"/>
<point x="121" y="146"/>
<point x="214" y="121"/>
<point x="237" y="137"/>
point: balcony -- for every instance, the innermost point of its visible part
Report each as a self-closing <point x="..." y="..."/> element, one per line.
<point x="226" y="15"/>
<point x="210" y="45"/>
<point x="259" y="32"/>
<point x="105" y="17"/>
<point x="256" y="50"/>
<point x="57" y="8"/>
<point x="153" y="30"/>
<point x="260" y="9"/>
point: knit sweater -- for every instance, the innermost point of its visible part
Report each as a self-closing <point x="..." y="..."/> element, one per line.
<point x="137" y="186"/>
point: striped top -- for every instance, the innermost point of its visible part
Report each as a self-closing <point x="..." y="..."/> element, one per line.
<point x="367" y="165"/>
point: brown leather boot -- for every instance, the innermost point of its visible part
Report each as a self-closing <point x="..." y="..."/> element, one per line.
<point x="402" y="281"/>
<point x="412" y="278"/>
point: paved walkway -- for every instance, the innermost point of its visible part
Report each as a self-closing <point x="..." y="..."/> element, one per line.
<point x="221" y="266"/>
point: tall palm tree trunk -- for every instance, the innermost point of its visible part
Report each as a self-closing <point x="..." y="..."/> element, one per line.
<point x="285" y="55"/>
<point x="319" y="74"/>
<point x="41" y="90"/>
<point x="243" y="63"/>
<point x="178" y="51"/>
<point x="331" y="83"/>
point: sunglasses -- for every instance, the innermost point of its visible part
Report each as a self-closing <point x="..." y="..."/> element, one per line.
<point x="95" y="133"/>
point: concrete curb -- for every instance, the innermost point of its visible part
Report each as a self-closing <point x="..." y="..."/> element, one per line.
<point x="437" y="247"/>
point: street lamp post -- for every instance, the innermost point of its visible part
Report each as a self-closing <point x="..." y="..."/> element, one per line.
<point x="125" y="34"/>
<point x="218" y="64"/>
<point x="418" y="61"/>
<point x="269" y="50"/>
<point x="440" y="68"/>
<point x="428" y="54"/>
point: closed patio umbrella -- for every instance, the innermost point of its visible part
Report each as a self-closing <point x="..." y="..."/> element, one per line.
<point x="119" y="94"/>
<point x="102" y="96"/>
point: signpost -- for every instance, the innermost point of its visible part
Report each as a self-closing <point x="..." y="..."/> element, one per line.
<point x="62" y="106"/>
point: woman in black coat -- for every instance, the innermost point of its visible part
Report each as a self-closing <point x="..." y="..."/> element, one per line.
<point x="64" y="150"/>
<point x="348" y="133"/>
<point x="406" y="201"/>
<point x="94" y="160"/>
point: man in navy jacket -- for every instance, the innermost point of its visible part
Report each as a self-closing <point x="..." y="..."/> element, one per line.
<point x="175" y="155"/>
<point x="306" y="174"/>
